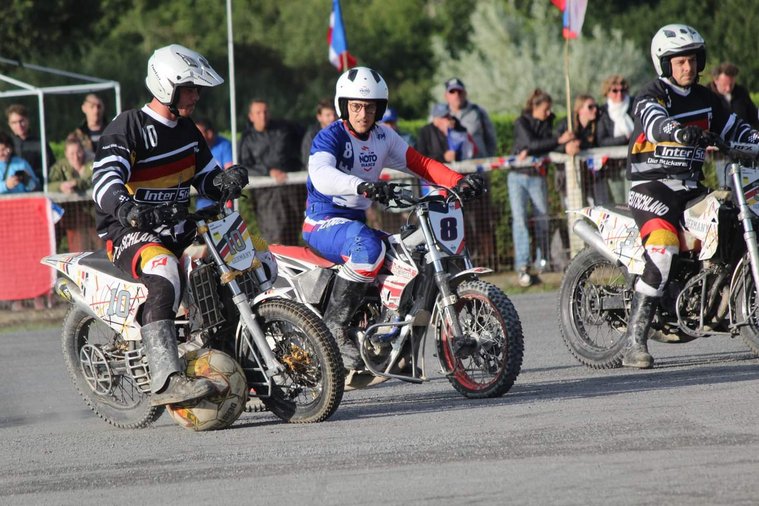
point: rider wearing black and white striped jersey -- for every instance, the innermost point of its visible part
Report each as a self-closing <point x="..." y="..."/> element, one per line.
<point x="665" y="163"/>
<point x="148" y="157"/>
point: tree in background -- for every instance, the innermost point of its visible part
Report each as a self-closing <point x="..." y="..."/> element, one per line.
<point x="513" y="52"/>
<point x="281" y="49"/>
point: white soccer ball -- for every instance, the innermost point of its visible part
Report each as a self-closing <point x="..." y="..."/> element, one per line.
<point x="219" y="410"/>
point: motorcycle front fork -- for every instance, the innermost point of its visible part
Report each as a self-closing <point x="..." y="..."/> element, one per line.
<point x="744" y="215"/>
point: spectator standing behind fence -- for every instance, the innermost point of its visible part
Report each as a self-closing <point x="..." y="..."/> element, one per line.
<point x="16" y="175"/>
<point x="221" y="149"/>
<point x="615" y="127"/>
<point x="735" y="97"/>
<point x="585" y="128"/>
<point x="325" y="115"/>
<point x="472" y="117"/>
<point x="390" y="118"/>
<point x="25" y="144"/>
<point x="264" y="151"/>
<point x="444" y="139"/>
<point x="73" y="176"/>
<point x="92" y="127"/>
<point x="533" y="136"/>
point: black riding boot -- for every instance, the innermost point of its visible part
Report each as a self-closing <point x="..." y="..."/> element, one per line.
<point x="345" y="299"/>
<point x="641" y="314"/>
<point x="167" y="379"/>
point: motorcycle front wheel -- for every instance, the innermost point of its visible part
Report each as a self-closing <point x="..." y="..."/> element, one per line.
<point x="592" y="310"/>
<point x="93" y="354"/>
<point x="489" y="368"/>
<point x="311" y="388"/>
<point x="748" y="306"/>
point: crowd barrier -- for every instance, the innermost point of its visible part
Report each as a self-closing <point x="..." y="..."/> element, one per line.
<point x="595" y="175"/>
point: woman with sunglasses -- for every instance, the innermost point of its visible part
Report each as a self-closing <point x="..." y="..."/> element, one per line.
<point x="615" y="124"/>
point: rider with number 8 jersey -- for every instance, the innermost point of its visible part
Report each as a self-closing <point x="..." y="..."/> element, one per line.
<point x="347" y="155"/>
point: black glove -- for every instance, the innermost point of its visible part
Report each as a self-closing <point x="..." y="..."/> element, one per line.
<point x="232" y="180"/>
<point x="688" y="135"/>
<point x="470" y="186"/>
<point x="147" y="217"/>
<point x="379" y="192"/>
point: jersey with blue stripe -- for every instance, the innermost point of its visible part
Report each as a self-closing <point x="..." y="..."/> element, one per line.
<point x="339" y="162"/>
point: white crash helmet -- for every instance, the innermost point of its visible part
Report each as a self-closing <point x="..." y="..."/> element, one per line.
<point x="676" y="40"/>
<point x="173" y="66"/>
<point x="360" y="83"/>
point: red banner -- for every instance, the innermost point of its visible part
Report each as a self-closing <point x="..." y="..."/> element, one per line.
<point x="26" y="235"/>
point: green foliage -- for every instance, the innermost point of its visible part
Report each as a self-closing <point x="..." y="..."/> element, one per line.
<point x="501" y="48"/>
<point x="512" y="55"/>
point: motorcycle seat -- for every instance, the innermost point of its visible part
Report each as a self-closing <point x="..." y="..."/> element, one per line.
<point x="623" y="210"/>
<point x="99" y="261"/>
<point x="303" y="253"/>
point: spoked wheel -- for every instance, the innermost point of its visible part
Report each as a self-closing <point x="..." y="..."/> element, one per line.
<point x="489" y="359"/>
<point x="94" y="356"/>
<point x="593" y="303"/>
<point x="748" y="305"/>
<point x="311" y="388"/>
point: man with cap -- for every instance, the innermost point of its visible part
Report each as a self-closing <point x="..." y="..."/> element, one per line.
<point x="444" y="139"/>
<point x="472" y="117"/>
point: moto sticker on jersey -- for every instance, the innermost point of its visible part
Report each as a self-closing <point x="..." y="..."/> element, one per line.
<point x="367" y="158"/>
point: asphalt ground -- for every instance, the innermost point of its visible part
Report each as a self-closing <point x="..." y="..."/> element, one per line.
<point x="685" y="432"/>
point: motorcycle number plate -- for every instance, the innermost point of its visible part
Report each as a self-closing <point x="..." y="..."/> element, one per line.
<point x="232" y="240"/>
<point x="448" y="226"/>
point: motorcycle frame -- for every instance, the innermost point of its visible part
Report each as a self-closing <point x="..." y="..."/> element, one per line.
<point x="433" y="303"/>
<point x="630" y="255"/>
<point x="81" y="284"/>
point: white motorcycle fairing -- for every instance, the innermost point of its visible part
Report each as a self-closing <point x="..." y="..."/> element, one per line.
<point x="115" y="300"/>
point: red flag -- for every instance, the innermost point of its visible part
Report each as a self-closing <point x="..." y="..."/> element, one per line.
<point x="339" y="55"/>
<point x="574" y="16"/>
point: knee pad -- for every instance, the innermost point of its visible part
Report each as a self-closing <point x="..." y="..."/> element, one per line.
<point x="160" y="273"/>
<point x="364" y="254"/>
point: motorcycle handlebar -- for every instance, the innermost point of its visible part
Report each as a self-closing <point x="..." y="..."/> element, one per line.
<point x="736" y="151"/>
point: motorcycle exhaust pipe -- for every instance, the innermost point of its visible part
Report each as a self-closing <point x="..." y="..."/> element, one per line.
<point x="72" y="295"/>
<point x="593" y="239"/>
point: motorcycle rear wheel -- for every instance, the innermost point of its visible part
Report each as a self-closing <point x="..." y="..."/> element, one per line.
<point x="594" y="333"/>
<point x="91" y="350"/>
<point x="487" y="314"/>
<point x="311" y="389"/>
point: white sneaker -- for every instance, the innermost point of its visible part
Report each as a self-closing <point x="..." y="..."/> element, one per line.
<point x="524" y="279"/>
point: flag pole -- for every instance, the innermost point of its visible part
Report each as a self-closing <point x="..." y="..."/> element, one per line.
<point x="572" y="165"/>
<point x="566" y="85"/>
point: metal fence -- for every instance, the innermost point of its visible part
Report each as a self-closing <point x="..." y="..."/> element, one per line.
<point x="593" y="176"/>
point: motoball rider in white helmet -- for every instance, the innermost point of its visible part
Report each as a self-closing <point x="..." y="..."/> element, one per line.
<point x="665" y="165"/>
<point x="344" y="169"/>
<point x="147" y="157"/>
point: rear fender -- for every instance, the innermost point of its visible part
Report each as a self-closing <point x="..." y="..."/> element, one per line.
<point x="113" y="300"/>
